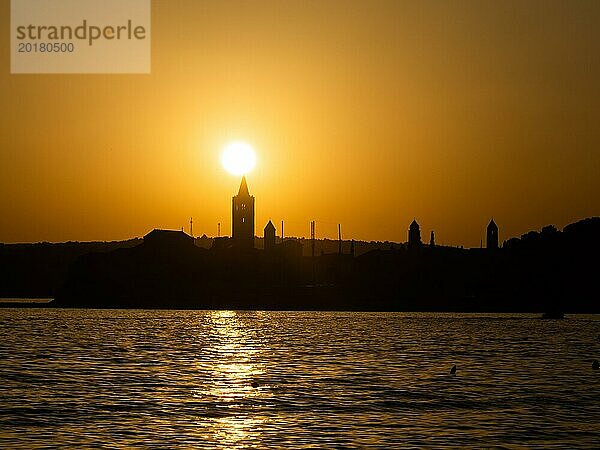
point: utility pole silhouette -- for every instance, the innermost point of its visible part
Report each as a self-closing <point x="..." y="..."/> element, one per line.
<point x="282" y="231"/>
<point x="191" y="227"/>
<point x="312" y="238"/>
<point x="312" y="244"/>
<point x="219" y="229"/>
<point x="339" y="239"/>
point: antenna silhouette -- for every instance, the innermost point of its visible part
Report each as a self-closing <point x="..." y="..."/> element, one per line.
<point x="312" y="237"/>
<point x="191" y="227"/>
<point x="312" y="244"/>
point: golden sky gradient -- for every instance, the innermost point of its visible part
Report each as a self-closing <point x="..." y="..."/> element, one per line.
<point x="367" y="113"/>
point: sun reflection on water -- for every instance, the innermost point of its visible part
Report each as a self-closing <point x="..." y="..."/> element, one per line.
<point x="247" y="379"/>
<point x="234" y="372"/>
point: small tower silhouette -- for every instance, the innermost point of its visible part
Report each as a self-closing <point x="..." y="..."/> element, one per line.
<point x="242" y="223"/>
<point x="414" y="234"/>
<point x="432" y="239"/>
<point x="269" y="237"/>
<point x="492" y="235"/>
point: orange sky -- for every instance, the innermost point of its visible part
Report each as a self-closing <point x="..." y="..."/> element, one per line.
<point x="367" y="113"/>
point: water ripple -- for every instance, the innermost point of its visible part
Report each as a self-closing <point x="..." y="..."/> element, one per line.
<point x="229" y="379"/>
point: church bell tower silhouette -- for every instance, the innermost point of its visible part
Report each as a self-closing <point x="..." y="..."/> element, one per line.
<point x="242" y="223"/>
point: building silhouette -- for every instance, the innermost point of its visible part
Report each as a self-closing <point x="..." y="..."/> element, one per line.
<point x="492" y="235"/>
<point x="269" y="237"/>
<point x="242" y="215"/>
<point x="414" y="234"/>
<point x="168" y="239"/>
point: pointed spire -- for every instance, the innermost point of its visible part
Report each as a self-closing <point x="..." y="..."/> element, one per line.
<point x="244" y="187"/>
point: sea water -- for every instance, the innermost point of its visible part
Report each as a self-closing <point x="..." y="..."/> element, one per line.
<point x="227" y="379"/>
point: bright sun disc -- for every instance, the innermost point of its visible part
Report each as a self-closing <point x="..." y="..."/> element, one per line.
<point x="238" y="158"/>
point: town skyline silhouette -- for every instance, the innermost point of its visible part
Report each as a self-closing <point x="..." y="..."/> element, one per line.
<point x="170" y="268"/>
<point x="243" y="226"/>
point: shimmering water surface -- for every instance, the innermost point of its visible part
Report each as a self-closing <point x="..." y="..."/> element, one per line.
<point x="296" y="379"/>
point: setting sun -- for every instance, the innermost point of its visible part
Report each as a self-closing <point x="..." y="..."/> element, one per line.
<point x="238" y="158"/>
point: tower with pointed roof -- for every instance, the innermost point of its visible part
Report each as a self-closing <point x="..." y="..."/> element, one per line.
<point x="269" y="237"/>
<point x="242" y="217"/>
<point x="414" y="234"/>
<point x="492" y="235"/>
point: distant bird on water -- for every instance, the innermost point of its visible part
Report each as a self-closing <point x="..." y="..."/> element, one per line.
<point x="255" y="384"/>
<point x="596" y="365"/>
<point x="453" y="370"/>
